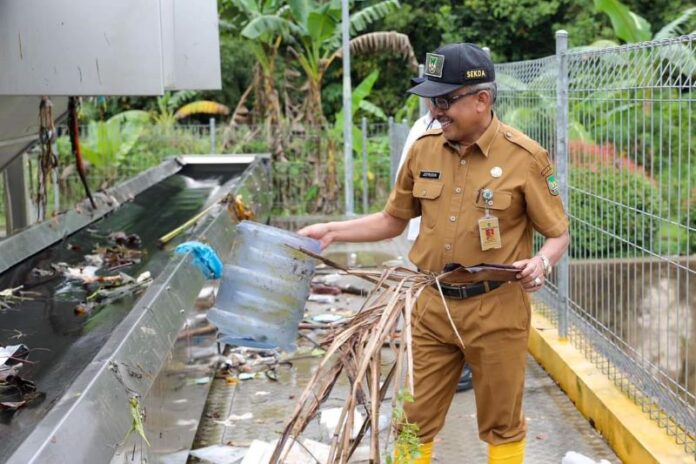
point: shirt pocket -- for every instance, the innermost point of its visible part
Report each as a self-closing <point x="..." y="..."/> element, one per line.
<point x="429" y="194"/>
<point x="500" y="202"/>
<point x="499" y="207"/>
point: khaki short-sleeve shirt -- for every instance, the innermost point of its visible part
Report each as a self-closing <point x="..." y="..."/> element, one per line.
<point x="445" y="188"/>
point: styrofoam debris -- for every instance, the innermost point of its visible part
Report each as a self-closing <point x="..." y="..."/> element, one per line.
<point x="572" y="457"/>
<point x="327" y="299"/>
<point x="220" y="454"/>
<point x="329" y="417"/>
<point x="327" y="318"/>
<point x="229" y="422"/>
<point x="259" y="452"/>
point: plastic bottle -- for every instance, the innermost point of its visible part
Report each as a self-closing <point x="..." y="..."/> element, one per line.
<point x="264" y="287"/>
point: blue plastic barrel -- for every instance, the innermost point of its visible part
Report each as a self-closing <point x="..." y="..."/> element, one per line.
<point x="264" y="287"/>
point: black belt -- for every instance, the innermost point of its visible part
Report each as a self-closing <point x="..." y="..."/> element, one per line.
<point x="459" y="292"/>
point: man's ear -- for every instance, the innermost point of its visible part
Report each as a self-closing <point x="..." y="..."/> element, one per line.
<point x="483" y="100"/>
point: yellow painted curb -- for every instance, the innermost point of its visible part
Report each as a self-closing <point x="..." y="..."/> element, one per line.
<point x="632" y="435"/>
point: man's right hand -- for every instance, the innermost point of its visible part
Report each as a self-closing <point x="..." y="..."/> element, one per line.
<point x="321" y="232"/>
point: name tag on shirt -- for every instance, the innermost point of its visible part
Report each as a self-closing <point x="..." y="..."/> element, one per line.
<point x="430" y="174"/>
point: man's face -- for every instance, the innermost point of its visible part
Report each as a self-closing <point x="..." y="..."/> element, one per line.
<point x="464" y="116"/>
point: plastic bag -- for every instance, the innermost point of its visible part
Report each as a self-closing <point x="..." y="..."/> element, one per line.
<point x="204" y="257"/>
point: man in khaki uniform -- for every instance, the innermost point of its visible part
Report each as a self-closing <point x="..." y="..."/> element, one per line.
<point x="481" y="188"/>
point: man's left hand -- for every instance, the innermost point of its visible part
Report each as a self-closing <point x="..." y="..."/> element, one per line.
<point x="531" y="275"/>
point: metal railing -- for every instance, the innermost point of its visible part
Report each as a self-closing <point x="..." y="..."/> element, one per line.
<point x="620" y="125"/>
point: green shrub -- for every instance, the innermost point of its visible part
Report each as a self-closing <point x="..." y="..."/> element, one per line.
<point x="616" y="210"/>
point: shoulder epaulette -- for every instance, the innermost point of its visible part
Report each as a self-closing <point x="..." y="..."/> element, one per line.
<point x="430" y="132"/>
<point x="518" y="138"/>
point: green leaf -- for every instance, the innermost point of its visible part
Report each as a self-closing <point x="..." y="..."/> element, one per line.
<point x="363" y="18"/>
<point x="137" y="421"/>
<point x="320" y="27"/>
<point x="627" y="25"/>
<point x="520" y="118"/>
<point x="300" y="11"/>
<point x="374" y="110"/>
<point x="673" y="29"/>
<point x="577" y="132"/>
<point x="360" y="92"/>
<point x="680" y="57"/>
<point x="131" y="116"/>
<point x="265" y="27"/>
<point x="357" y="143"/>
<point x="249" y="6"/>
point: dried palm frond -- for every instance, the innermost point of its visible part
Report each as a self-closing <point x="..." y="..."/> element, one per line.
<point x="354" y="347"/>
<point x="374" y="43"/>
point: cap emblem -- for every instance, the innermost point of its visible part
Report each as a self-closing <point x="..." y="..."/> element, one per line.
<point x="434" y="64"/>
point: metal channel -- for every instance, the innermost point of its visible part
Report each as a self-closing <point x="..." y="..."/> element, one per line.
<point x="90" y="422"/>
<point x="18" y="247"/>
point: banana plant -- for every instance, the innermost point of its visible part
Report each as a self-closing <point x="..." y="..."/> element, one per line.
<point x="108" y="143"/>
<point x="265" y="26"/>
<point x="359" y="102"/>
<point x="314" y="31"/>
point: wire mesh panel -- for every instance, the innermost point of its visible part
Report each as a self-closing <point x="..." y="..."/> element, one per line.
<point x="309" y="177"/>
<point x="527" y="101"/>
<point x="630" y="147"/>
<point x="631" y="150"/>
<point x="378" y="169"/>
<point x="527" y="98"/>
<point x="112" y="151"/>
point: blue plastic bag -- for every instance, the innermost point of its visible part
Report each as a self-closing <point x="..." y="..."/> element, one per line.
<point x="204" y="257"/>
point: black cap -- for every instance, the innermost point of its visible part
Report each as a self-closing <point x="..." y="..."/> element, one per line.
<point x="453" y="66"/>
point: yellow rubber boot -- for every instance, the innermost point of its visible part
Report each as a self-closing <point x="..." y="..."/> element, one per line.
<point x="425" y="454"/>
<point x="508" y="453"/>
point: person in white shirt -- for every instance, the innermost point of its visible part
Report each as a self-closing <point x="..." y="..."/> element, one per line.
<point x="423" y="124"/>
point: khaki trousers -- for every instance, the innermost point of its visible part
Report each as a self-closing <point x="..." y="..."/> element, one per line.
<point x="495" y="329"/>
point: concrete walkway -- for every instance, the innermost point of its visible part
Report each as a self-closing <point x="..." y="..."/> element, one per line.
<point x="555" y="426"/>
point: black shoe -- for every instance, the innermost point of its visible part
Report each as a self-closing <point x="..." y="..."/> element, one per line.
<point x="465" y="381"/>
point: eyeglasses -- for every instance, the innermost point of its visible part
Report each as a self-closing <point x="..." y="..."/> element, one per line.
<point x="444" y="103"/>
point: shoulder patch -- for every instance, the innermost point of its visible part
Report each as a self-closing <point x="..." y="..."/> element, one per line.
<point x="519" y="139"/>
<point x="430" y="132"/>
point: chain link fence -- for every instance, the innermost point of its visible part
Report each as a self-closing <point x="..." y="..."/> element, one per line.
<point x="619" y="123"/>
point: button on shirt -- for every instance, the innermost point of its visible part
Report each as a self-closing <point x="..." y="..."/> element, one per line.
<point x="444" y="188"/>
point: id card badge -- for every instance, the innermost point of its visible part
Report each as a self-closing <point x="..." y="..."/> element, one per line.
<point x="489" y="231"/>
<point x="489" y="228"/>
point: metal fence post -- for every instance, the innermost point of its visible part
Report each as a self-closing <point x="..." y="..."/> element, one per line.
<point x="562" y="165"/>
<point x="347" y="110"/>
<point x="364" y="165"/>
<point x="17" y="197"/>
<point x="213" y="148"/>
<point x="392" y="143"/>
